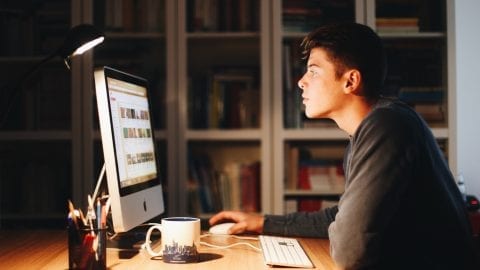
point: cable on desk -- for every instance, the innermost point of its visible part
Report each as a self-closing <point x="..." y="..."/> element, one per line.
<point x="231" y="245"/>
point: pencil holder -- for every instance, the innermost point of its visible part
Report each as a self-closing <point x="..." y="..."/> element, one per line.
<point x="87" y="248"/>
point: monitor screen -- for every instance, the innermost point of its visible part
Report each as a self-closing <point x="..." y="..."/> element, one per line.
<point x="133" y="178"/>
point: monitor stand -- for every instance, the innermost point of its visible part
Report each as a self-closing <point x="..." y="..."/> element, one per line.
<point x="128" y="244"/>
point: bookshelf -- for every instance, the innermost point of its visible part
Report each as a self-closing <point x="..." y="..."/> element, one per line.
<point x="36" y="140"/>
<point x="224" y="76"/>
<point x="223" y="95"/>
<point x="413" y="32"/>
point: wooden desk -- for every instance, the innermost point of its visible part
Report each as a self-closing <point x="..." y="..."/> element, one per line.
<point x="48" y="250"/>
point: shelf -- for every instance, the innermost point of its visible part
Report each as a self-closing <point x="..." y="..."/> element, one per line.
<point x="337" y="134"/>
<point x="222" y="35"/>
<point x="314" y="134"/>
<point x="134" y="35"/>
<point x="294" y="34"/>
<point x="413" y="35"/>
<point x="224" y="135"/>
<point x="298" y="193"/>
<point x="51" y="135"/>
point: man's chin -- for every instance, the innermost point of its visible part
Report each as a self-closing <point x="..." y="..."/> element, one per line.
<point x="314" y="115"/>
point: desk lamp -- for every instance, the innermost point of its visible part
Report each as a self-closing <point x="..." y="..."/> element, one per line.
<point x="78" y="40"/>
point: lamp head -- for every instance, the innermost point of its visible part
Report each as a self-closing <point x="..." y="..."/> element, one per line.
<point x="80" y="39"/>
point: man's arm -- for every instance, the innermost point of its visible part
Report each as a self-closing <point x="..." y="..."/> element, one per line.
<point x="302" y="224"/>
<point x="313" y="224"/>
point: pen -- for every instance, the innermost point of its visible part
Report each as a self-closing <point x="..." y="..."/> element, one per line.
<point x="90" y="211"/>
<point x="99" y="213"/>
<point x="72" y="215"/>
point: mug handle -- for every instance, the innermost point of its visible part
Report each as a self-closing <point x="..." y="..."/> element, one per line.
<point x="147" y="240"/>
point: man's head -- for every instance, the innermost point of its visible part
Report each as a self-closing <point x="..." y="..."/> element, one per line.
<point x="352" y="46"/>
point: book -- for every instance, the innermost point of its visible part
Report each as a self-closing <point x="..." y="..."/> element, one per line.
<point x="318" y="175"/>
<point x="232" y="174"/>
<point x="431" y="112"/>
<point x="222" y="15"/>
<point x="226" y="98"/>
<point x="421" y="94"/>
<point x="293" y="157"/>
<point x="236" y="186"/>
<point x="250" y="183"/>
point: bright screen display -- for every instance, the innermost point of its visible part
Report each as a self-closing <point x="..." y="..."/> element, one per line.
<point x="132" y="131"/>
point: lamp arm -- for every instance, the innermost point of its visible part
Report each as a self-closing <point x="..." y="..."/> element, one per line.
<point x="12" y="90"/>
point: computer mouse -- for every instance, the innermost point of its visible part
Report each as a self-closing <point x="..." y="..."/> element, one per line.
<point x="221" y="228"/>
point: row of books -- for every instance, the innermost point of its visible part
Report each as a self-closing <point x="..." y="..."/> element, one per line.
<point x="308" y="204"/>
<point x="427" y="15"/>
<point x="314" y="168"/>
<point x="304" y="16"/>
<point x="427" y="101"/>
<point x="234" y="187"/>
<point x="421" y="94"/>
<point x="223" y="15"/>
<point x="131" y="15"/>
<point x="36" y="31"/>
<point x="225" y="99"/>
<point x="397" y="25"/>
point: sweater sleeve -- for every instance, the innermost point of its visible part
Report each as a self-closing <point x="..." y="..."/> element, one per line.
<point x="301" y="224"/>
<point x="379" y="166"/>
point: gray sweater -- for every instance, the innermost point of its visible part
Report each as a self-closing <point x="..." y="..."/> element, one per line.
<point x="401" y="208"/>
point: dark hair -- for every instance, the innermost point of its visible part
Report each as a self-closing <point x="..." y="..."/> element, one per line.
<point x="352" y="45"/>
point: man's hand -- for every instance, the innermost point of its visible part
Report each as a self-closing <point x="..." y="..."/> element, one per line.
<point x="244" y="222"/>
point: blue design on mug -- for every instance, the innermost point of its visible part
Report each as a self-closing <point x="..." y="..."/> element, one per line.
<point x="175" y="253"/>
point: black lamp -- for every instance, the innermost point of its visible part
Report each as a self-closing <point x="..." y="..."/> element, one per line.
<point x="78" y="40"/>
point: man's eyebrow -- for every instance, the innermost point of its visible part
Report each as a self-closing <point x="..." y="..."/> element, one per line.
<point x="311" y="65"/>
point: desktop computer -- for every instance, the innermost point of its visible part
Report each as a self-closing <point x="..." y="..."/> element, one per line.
<point x="132" y="170"/>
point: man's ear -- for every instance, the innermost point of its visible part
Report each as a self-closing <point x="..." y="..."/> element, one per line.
<point x="353" y="79"/>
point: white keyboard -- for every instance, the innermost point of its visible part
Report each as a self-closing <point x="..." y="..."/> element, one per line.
<point x="282" y="251"/>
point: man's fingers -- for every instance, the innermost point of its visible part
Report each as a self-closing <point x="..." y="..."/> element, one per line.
<point x="238" y="228"/>
<point x="222" y="216"/>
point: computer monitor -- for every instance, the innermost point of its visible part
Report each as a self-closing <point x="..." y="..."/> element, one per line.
<point x="133" y="178"/>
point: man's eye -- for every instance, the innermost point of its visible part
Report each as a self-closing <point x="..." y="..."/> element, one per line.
<point x="313" y="72"/>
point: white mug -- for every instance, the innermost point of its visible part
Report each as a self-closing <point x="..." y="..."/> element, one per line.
<point x="179" y="241"/>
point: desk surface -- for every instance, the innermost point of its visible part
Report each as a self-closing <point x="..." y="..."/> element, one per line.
<point x="48" y="250"/>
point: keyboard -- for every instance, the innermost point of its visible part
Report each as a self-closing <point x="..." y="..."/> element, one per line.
<point x="283" y="251"/>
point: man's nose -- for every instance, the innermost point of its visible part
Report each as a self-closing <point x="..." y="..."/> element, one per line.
<point x="300" y="83"/>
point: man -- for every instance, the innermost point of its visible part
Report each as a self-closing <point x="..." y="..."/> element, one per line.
<point x="401" y="208"/>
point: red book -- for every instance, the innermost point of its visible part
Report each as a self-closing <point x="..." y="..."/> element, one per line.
<point x="250" y="182"/>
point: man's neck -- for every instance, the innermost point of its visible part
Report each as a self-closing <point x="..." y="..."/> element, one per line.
<point x="352" y="116"/>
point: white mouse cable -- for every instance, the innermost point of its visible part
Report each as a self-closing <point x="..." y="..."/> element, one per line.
<point x="232" y="245"/>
